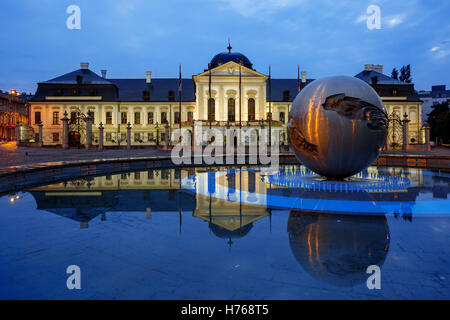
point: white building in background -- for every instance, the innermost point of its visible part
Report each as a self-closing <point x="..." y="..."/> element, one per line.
<point x="438" y="94"/>
<point x="399" y="98"/>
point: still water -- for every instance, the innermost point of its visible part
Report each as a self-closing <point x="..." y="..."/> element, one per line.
<point x="229" y="233"/>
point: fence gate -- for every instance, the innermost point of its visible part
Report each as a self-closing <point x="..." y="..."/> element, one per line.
<point x="77" y="129"/>
<point x="395" y="132"/>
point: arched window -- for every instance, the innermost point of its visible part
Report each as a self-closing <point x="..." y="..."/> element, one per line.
<point x="231" y="110"/>
<point x="251" y="109"/>
<point x="211" y="110"/>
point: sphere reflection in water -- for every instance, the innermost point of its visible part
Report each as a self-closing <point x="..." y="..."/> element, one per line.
<point x="337" y="249"/>
<point x="337" y="126"/>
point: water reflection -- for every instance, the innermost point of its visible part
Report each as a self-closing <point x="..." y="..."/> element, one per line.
<point x="337" y="249"/>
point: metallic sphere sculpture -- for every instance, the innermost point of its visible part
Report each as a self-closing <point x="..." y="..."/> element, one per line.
<point x="337" y="126"/>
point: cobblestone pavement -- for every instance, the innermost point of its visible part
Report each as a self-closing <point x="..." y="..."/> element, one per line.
<point x="11" y="155"/>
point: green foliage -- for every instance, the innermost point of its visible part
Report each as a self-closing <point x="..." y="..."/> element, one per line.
<point x="405" y="74"/>
<point x="394" y="73"/>
<point x="439" y="121"/>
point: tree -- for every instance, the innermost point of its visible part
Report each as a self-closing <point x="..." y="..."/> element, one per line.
<point x="439" y="121"/>
<point x="405" y="74"/>
<point x="394" y="74"/>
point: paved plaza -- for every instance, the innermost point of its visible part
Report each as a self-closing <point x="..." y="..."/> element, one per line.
<point x="11" y="155"/>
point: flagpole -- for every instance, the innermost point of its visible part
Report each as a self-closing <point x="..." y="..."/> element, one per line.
<point x="298" y="78"/>
<point x="209" y="100"/>
<point x="179" y="95"/>
<point x="240" y="97"/>
<point x="270" y="106"/>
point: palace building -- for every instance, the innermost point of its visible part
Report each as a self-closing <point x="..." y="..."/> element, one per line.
<point x="230" y="92"/>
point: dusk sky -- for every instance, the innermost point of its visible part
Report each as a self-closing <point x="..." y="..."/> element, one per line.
<point x="326" y="37"/>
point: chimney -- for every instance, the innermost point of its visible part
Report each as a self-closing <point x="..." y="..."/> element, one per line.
<point x="104" y="74"/>
<point x="149" y="77"/>
<point x="303" y="77"/>
<point x="374" y="67"/>
<point x="84" y="65"/>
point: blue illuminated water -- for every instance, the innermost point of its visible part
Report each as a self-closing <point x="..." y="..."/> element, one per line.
<point x="229" y="233"/>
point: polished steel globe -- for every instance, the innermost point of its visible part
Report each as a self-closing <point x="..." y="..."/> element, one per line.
<point x="337" y="126"/>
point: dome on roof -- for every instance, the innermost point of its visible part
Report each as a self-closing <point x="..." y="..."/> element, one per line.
<point x="225" y="57"/>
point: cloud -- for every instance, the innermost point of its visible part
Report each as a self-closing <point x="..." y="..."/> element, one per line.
<point x="249" y="8"/>
<point x="394" y="20"/>
<point x="361" y="18"/>
<point x="386" y="21"/>
<point x="441" y="50"/>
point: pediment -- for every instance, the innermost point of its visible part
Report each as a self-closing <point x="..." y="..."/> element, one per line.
<point x="231" y="69"/>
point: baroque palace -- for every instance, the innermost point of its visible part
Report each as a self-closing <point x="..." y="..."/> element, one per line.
<point x="230" y="92"/>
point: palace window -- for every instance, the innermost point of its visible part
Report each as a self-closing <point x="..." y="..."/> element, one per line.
<point x="123" y="118"/>
<point x="150" y="175"/>
<point x="108" y="136"/>
<point x="58" y="92"/>
<point x="93" y="92"/>
<point x="211" y="110"/>
<point x="269" y="115"/>
<point x="123" y="137"/>
<point x="394" y="92"/>
<point x="164" y="117"/>
<point x="55" y="137"/>
<point x="251" y="109"/>
<point x="190" y="116"/>
<point x="150" y="117"/>
<point x="76" y="91"/>
<point x="37" y="117"/>
<point x="108" y="117"/>
<point x="177" y="117"/>
<point x="286" y="95"/>
<point x="145" y="95"/>
<point x="231" y="110"/>
<point x="150" y="137"/>
<point x="137" y="137"/>
<point x="92" y="115"/>
<point x="251" y="182"/>
<point x="171" y="95"/>
<point x="137" y="118"/>
<point x="282" y="118"/>
<point x="55" y="117"/>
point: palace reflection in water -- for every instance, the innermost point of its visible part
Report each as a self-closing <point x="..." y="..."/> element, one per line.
<point x="335" y="248"/>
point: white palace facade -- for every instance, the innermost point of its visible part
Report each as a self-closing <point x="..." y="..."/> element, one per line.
<point x="230" y="92"/>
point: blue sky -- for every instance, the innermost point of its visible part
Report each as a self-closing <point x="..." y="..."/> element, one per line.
<point x="128" y="37"/>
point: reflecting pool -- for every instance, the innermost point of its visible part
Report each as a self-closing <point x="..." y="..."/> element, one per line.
<point x="229" y="233"/>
